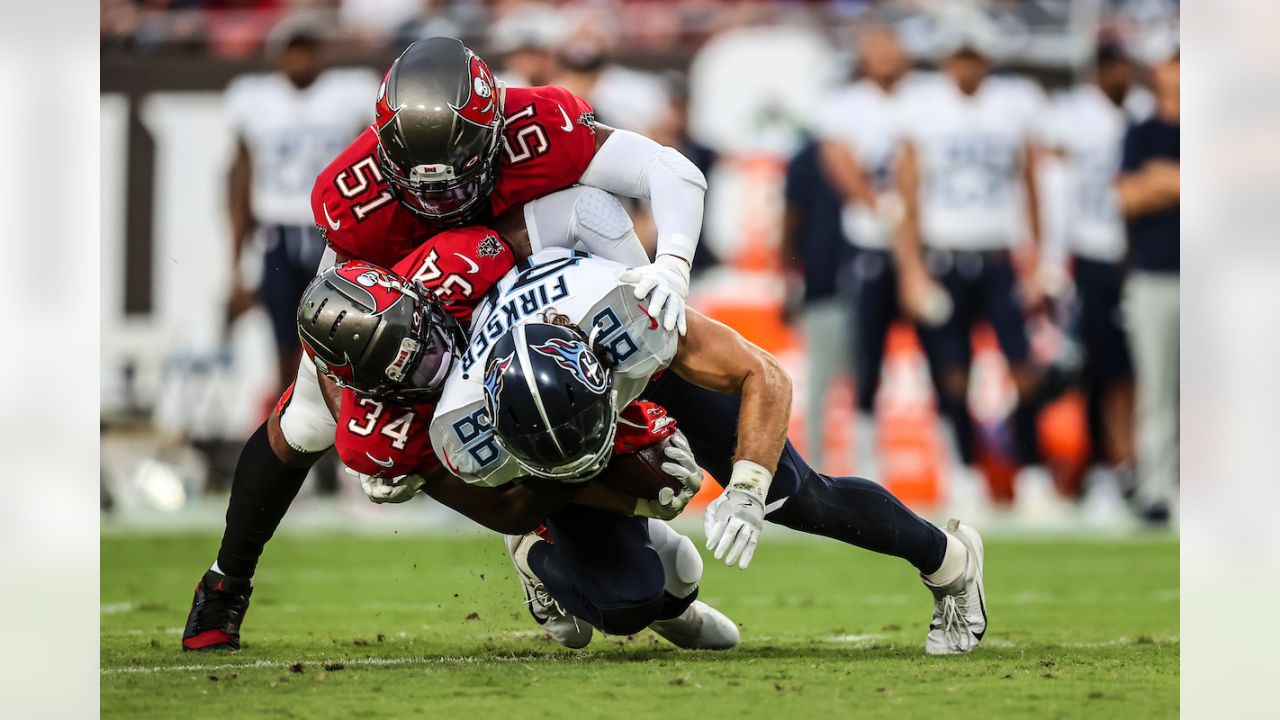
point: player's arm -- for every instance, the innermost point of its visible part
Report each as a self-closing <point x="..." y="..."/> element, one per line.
<point x="511" y="509"/>
<point x="715" y="357"/>
<point x="1148" y="187"/>
<point x="914" y="287"/>
<point x="1031" y="153"/>
<point x="240" y="218"/>
<point x="580" y="215"/>
<point x="846" y="174"/>
<point x="629" y="164"/>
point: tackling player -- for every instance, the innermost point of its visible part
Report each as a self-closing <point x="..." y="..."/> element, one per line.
<point x="448" y="146"/>
<point x="562" y="345"/>
<point x="384" y="347"/>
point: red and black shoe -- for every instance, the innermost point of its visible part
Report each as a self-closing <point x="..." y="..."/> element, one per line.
<point x="216" y="613"/>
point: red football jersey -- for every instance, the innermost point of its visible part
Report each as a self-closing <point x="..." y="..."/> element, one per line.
<point x="386" y="439"/>
<point x="549" y="141"/>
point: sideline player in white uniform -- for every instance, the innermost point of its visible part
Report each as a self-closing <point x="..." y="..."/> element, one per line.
<point x="967" y="179"/>
<point x="1085" y="130"/>
<point x="562" y="346"/>
<point x="861" y="136"/>
<point x="288" y="125"/>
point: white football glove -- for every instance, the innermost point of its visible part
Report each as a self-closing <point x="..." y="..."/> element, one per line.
<point x="665" y="282"/>
<point x="389" y="490"/>
<point x="734" y="521"/>
<point x="683" y="468"/>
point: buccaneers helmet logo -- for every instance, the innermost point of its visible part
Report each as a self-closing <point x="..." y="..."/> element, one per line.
<point x="577" y="359"/>
<point x="381" y="289"/>
<point x="480" y="104"/>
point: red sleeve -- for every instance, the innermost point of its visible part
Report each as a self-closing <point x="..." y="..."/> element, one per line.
<point x="550" y="134"/>
<point x="355" y="210"/>
<point x="383" y="439"/>
<point x="460" y="265"/>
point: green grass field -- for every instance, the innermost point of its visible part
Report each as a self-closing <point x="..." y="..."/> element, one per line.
<point x="354" y="626"/>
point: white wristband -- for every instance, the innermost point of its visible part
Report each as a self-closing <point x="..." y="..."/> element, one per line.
<point x="750" y="478"/>
<point x="678" y="245"/>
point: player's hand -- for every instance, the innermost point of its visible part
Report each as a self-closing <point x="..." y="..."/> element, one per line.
<point x="389" y="490"/>
<point x="240" y="300"/>
<point x="733" y="523"/>
<point x="683" y="468"/>
<point x="665" y="282"/>
<point x="923" y="299"/>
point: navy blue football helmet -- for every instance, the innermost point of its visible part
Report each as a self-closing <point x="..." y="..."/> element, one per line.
<point x="551" y="401"/>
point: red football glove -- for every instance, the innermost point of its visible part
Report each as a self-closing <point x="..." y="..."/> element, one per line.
<point x="640" y="425"/>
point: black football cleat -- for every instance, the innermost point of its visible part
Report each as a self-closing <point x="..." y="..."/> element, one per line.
<point x="217" y="610"/>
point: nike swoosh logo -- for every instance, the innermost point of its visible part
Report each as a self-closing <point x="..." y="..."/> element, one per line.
<point x="568" y="124"/>
<point x="384" y="463"/>
<point x="474" y="267"/>
<point x="653" y="321"/>
<point x="332" y="224"/>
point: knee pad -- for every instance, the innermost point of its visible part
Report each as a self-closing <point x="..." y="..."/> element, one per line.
<point x="305" y="420"/>
<point x="681" y="563"/>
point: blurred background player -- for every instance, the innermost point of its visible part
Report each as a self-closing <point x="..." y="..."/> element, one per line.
<point x="968" y="184"/>
<point x="1149" y="188"/>
<point x="813" y="245"/>
<point x="1085" y="129"/>
<point x="288" y="124"/>
<point x="525" y="40"/>
<point x="860" y="141"/>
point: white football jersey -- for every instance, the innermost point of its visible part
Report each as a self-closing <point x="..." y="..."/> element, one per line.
<point x="1088" y="130"/>
<point x="864" y="118"/>
<point x="584" y="288"/>
<point x="970" y="152"/>
<point x="293" y="134"/>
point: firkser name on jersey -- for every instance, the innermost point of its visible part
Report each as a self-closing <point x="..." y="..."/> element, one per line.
<point x="500" y="317"/>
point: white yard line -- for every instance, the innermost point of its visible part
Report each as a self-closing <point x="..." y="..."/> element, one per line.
<point x="313" y="664"/>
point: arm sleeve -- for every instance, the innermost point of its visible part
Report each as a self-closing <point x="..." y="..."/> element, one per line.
<point x="632" y="165"/>
<point x="584" y="218"/>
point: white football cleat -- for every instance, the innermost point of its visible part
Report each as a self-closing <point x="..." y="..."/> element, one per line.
<point x="959" y="607"/>
<point x="560" y="625"/>
<point x="699" y="627"/>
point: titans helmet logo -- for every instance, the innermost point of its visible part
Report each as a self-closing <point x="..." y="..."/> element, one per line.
<point x="493" y="379"/>
<point x="575" y="357"/>
<point x="480" y="105"/>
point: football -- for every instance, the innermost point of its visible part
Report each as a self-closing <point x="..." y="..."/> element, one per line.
<point x="640" y="474"/>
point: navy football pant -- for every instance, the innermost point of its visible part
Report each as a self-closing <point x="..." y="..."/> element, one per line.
<point x="875" y="292"/>
<point x="602" y="568"/>
<point x="981" y="286"/>
<point x="849" y="509"/>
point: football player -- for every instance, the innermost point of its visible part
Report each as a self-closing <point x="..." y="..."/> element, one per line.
<point x="966" y="177"/>
<point x="860" y="141"/>
<point x="288" y="125"/>
<point x="561" y="346"/>
<point x="1085" y="129"/>
<point x="384" y="346"/>
<point x="448" y="146"/>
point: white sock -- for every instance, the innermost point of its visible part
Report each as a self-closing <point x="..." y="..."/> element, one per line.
<point x="953" y="563"/>
<point x="866" y="448"/>
<point x="214" y="567"/>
